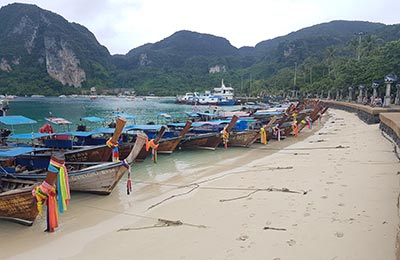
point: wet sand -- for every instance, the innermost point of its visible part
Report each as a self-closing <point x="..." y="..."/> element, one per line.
<point x="329" y="194"/>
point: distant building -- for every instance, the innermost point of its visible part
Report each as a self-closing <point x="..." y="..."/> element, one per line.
<point x="217" y="69"/>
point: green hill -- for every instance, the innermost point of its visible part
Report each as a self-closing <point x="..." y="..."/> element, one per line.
<point x="42" y="53"/>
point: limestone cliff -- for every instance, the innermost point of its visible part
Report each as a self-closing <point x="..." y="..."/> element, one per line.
<point x="62" y="64"/>
<point x="37" y="46"/>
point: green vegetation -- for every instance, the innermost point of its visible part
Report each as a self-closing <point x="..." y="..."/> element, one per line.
<point x="325" y="57"/>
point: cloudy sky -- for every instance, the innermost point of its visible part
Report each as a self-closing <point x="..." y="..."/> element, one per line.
<point x="122" y="25"/>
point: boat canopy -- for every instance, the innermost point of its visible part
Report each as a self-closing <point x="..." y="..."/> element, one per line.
<point x="58" y="120"/>
<point x="165" y="115"/>
<point x="192" y="114"/>
<point x="93" y="119"/>
<point x="15" y="151"/>
<point x="16" y="120"/>
<point x="206" y="114"/>
<point x="127" y="116"/>
<point x="143" y="127"/>
<point x="76" y="133"/>
<point x="265" y="113"/>
<point x="103" y="130"/>
<point x="29" y="136"/>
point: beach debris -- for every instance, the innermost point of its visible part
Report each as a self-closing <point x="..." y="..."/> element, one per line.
<point x="243" y="238"/>
<point x="301" y="153"/>
<point x="274" y="228"/>
<point x="291" y="242"/>
<point x="162" y="223"/>
<point x="318" y="141"/>
<point x="168" y="222"/>
<point x="339" y="234"/>
<point x="268" y="168"/>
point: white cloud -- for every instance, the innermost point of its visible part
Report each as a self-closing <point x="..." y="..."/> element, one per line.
<point x="122" y="25"/>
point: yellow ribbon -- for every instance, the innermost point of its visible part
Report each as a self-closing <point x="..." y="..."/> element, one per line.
<point x="263" y="134"/>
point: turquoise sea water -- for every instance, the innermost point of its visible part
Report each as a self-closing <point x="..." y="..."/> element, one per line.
<point x="73" y="109"/>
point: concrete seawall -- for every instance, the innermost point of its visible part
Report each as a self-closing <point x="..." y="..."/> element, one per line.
<point x="390" y="124"/>
<point x="368" y="114"/>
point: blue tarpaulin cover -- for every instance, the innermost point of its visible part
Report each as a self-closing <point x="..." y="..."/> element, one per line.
<point x="28" y="136"/>
<point x="76" y="133"/>
<point x="93" y="119"/>
<point x="16" y="120"/>
<point x="127" y="116"/>
<point x="143" y="127"/>
<point x="58" y="120"/>
<point x="18" y="151"/>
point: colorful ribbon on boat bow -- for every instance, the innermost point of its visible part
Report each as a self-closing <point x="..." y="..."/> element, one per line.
<point x="225" y="137"/>
<point x="277" y="131"/>
<point x="115" y="153"/>
<point x="56" y="199"/>
<point x="307" y="121"/>
<point x="263" y="134"/>
<point x="151" y="144"/>
<point x="129" y="182"/>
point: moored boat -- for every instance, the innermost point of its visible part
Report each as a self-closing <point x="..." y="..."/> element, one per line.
<point x="91" y="177"/>
<point x="16" y="200"/>
<point x="243" y="138"/>
<point x="208" y="141"/>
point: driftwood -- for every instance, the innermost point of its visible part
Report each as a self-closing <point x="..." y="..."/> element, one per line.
<point x="273" y="228"/>
<point x="162" y="223"/>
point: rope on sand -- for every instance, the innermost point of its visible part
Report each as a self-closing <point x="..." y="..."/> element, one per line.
<point x="173" y="196"/>
<point x="303" y="148"/>
<point x="268" y="189"/>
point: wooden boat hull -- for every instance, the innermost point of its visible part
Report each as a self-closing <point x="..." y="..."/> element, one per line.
<point x="202" y="141"/>
<point x="17" y="204"/>
<point x="243" y="138"/>
<point x="99" y="179"/>
<point x="100" y="153"/>
<point x="169" y="145"/>
<point x="126" y="148"/>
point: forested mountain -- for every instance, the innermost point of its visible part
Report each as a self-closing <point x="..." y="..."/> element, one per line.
<point x="42" y="53"/>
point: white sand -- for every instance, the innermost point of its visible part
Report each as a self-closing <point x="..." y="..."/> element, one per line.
<point x="349" y="212"/>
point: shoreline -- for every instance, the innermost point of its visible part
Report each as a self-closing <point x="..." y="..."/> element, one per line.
<point x="244" y="211"/>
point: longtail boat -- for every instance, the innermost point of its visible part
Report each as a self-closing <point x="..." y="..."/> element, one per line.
<point x="91" y="177"/>
<point x="317" y="111"/>
<point x="243" y="138"/>
<point x="206" y="140"/>
<point x="16" y="201"/>
<point x="168" y="145"/>
<point x="126" y="147"/>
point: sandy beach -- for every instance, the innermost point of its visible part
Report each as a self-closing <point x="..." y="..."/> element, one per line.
<point x="330" y="194"/>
